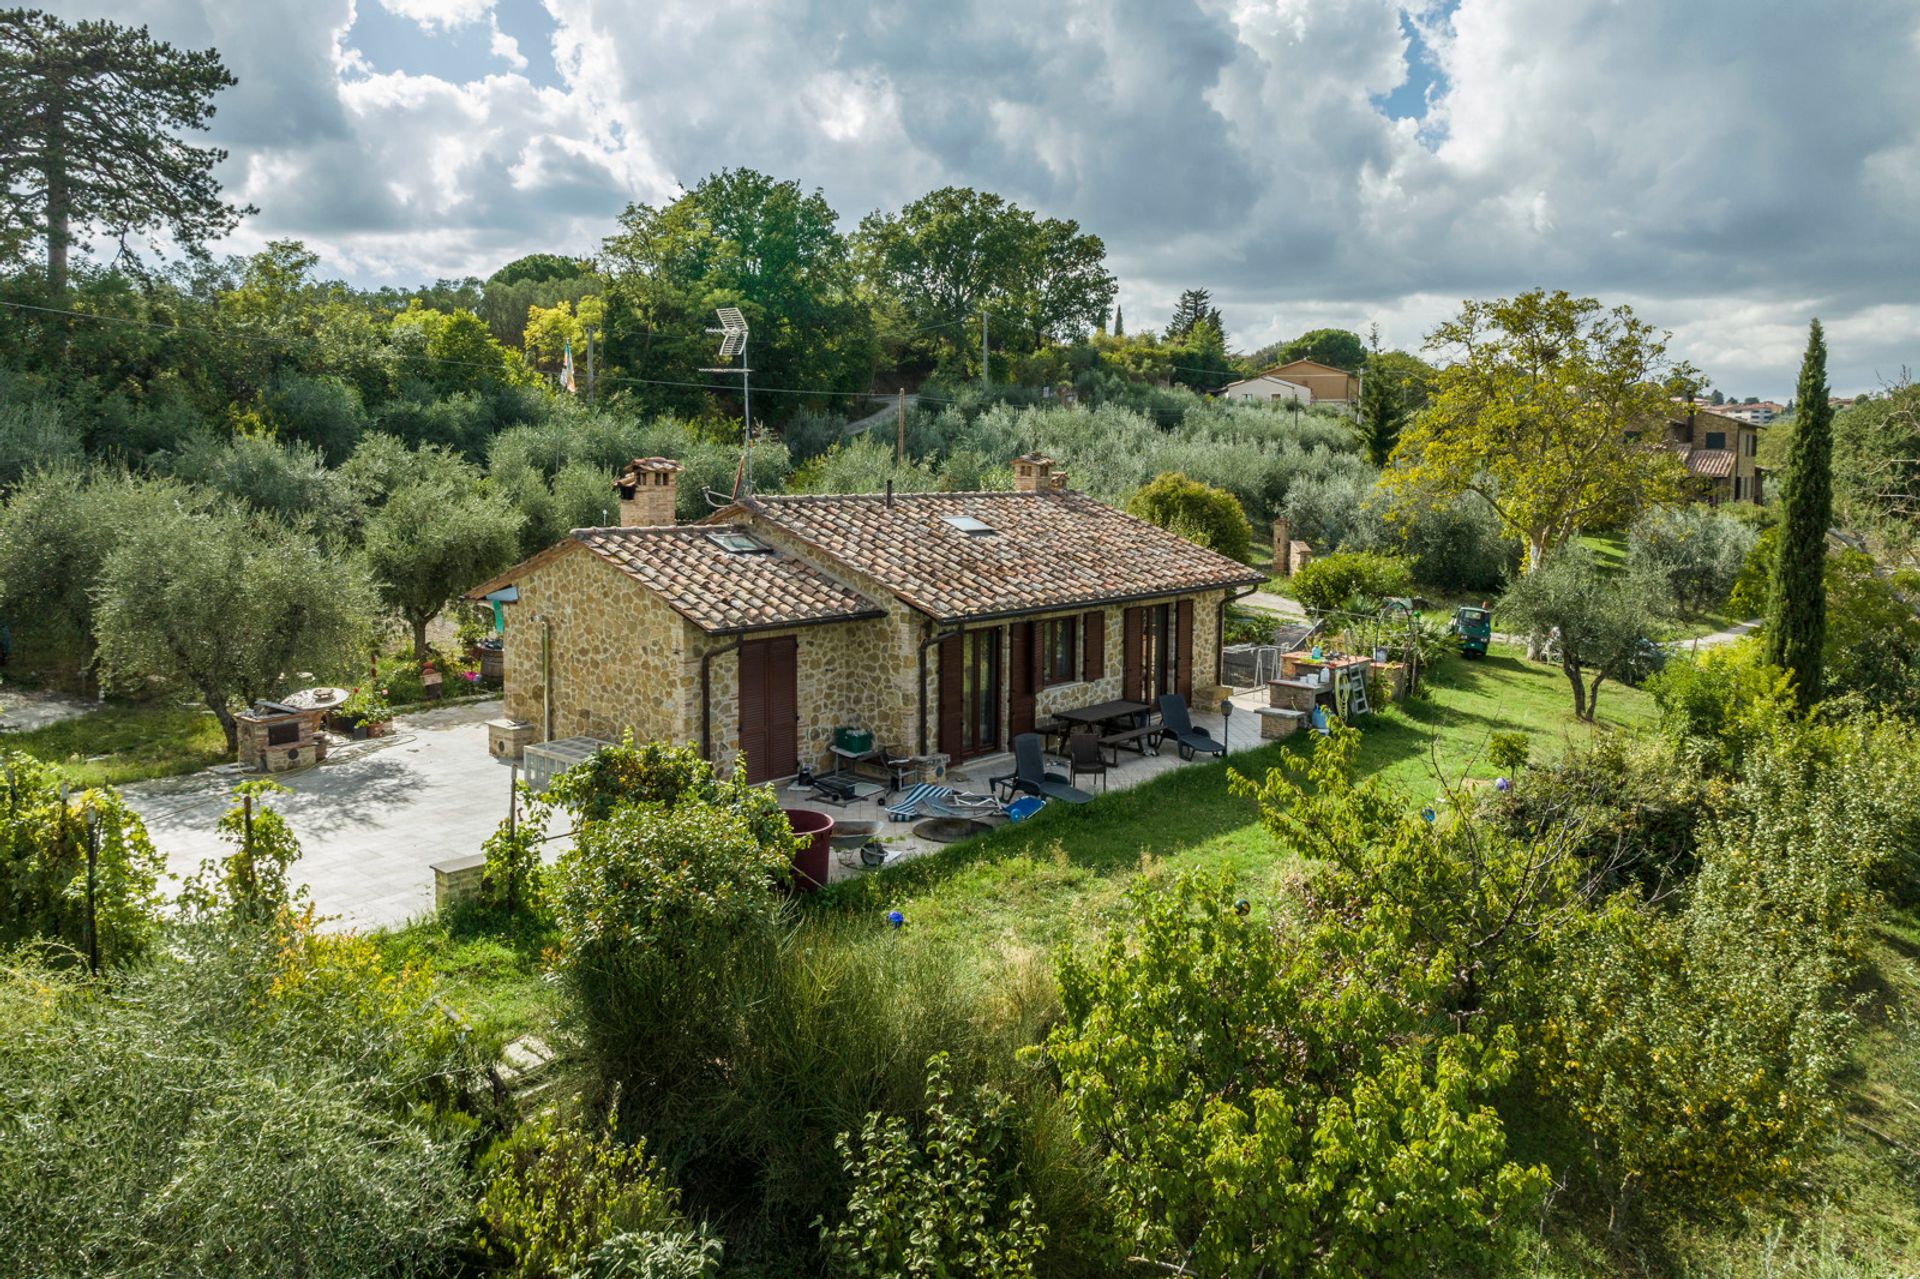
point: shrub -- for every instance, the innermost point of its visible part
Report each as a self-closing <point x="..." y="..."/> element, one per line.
<point x="1507" y="751"/>
<point x="1718" y="705"/>
<point x="1459" y="546"/>
<point x="267" y="1099"/>
<point x="43" y="864"/>
<point x="1695" y="550"/>
<point x="250" y="882"/>
<point x="948" y="1202"/>
<point x="1256" y="1114"/>
<point x="1346" y="580"/>
<point x="563" y="1201"/>
<point x="1208" y="517"/>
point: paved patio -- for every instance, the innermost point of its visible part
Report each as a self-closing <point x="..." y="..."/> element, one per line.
<point x="377" y="815"/>
<point x="372" y="820"/>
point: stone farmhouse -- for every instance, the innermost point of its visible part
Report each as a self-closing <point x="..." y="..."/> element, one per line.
<point x="1722" y="455"/>
<point x="941" y="622"/>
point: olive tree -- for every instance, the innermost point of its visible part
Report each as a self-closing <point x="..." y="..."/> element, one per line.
<point x="433" y="539"/>
<point x="230" y="605"/>
<point x="1695" y="550"/>
<point x="1594" y="625"/>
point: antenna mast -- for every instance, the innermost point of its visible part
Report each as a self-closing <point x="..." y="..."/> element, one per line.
<point x="733" y="340"/>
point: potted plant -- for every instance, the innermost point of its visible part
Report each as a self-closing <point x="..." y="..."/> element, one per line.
<point x="366" y="712"/>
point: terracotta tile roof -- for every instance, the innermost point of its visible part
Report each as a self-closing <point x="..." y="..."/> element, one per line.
<point x="1714" y="464"/>
<point x="718" y="590"/>
<point x="1045" y="550"/>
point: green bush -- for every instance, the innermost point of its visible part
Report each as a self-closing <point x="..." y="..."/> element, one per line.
<point x="564" y="1201"/>
<point x="1349" y="579"/>
<point x="43" y="864"/>
<point x="948" y="1202"/>
<point x="1508" y="751"/>
<point x="1206" y="516"/>
<point x="1715" y="707"/>
<point x="1698" y="552"/>
<point x="268" y="1101"/>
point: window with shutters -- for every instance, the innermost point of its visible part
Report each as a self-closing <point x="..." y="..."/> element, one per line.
<point x="1059" y="644"/>
<point x="1716" y="439"/>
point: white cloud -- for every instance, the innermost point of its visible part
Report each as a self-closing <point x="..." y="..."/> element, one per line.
<point x="444" y="14"/>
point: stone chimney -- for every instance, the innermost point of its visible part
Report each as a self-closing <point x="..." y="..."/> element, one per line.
<point x="1033" y="473"/>
<point x="1057" y="483"/>
<point x="647" y="491"/>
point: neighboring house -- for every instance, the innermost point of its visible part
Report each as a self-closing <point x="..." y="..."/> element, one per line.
<point x="1760" y="413"/>
<point x="942" y="622"/>
<point x="1721" y="452"/>
<point x="1265" y="387"/>
<point x="1326" y="384"/>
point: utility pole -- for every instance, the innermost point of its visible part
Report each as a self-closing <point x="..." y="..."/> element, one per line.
<point x="93" y="878"/>
<point x="900" y="431"/>
<point x="589" y="364"/>
<point x="986" y="377"/>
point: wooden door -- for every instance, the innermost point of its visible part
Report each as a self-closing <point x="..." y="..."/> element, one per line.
<point x="770" y="707"/>
<point x="1023" y="686"/>
<point x="1132" y="668"/>
<point x="952" y="699"/>
<point x="981" y="693"/>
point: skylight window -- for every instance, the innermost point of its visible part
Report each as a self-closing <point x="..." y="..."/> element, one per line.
<point x="968" y="525"/>
<point x="739" y="543"/>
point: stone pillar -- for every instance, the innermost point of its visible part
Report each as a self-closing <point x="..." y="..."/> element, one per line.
<point x="648" y="492"/>
<point x="1033" y="473"/>
<point x="1282" y="565"/>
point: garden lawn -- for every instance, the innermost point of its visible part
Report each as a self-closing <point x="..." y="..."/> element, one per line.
<point x="1032" y="885"/>
<point x="118" y="744"/>
<point x="493" y="973"/>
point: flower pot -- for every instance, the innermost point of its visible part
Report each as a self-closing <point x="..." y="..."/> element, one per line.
<point x="815" y="830"/>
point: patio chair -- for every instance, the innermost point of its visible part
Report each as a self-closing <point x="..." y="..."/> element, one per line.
<point x="1030" y="775"/>
<point x="1179" y="726"/>
<point x="1086" y="754"/>
<point x="925" y="797"/>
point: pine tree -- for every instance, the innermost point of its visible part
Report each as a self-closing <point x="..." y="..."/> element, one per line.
<point x="88" y="114"/>
<point x="1797" y="616"/>
<point x="1192" y="308"/>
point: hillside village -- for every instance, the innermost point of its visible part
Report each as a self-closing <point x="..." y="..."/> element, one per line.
<point x="755" y="741"/>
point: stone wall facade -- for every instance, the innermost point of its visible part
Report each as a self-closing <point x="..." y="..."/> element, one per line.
<point x="622" y="659"/>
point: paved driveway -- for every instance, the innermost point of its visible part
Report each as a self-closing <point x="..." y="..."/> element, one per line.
<point x="372" y="820"/>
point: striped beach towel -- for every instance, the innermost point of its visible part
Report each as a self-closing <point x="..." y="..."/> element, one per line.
<point x="922" y="795"/>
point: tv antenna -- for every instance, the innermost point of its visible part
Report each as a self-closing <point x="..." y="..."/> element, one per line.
<point x="733" y="341"/>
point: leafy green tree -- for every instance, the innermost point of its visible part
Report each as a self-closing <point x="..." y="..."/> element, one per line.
<point x="1797" y="612"/>
<point x="1550" y="413"/>
<point x="432" y="540"/>
<point x="89" y="119"/>
<point x="56" y="531"/>
<point x="1194" y="306"/>
<point x="44" y="887"/>
<point x="1876" y="468"/>
<point x="1257" y="1114"/>
<point x="541" y="268"/>
<point x="252" y="883"/>
<point x="1393" y="387"/>
<point x="1696" y="550"/>
<point x="1209" y="517"/>
<point x="946" y="1202"/>
<point x="229" y="605"/>
<point x="1591" y="623"/>
<point x="956" y="251"/>
<point x="1339" y="348"/>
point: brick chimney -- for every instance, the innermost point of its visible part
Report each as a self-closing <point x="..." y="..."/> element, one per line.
<point x="1033" y="473"/>
<point x="647" y="491"/>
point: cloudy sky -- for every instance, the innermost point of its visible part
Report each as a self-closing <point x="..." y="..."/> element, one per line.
<point x="1730" y="167"/>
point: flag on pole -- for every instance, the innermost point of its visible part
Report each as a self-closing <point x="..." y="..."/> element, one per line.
<point x="566" y="367"/>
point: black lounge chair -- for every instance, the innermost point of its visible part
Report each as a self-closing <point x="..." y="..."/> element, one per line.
<point x="1030" y="775"/>
<point x="1179" y="726"/>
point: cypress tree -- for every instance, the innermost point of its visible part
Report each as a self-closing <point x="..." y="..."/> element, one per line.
<point x="1797" y="616"/>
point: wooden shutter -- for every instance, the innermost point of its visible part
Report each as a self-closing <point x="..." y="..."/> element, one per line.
<point x="753" y="705"/>
<point x="1132" y="677"/>
<point x="952" y="694"/>
<point x="1093" y="646"/>
<point x="1025" y="677"/>
<point x="783" y="707"/>
<point x="1183" y="649"/>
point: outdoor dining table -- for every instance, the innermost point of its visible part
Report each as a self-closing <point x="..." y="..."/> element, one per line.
<point x="1119" y="713"/>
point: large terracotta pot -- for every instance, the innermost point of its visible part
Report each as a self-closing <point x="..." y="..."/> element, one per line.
<point x="815" y="830"/>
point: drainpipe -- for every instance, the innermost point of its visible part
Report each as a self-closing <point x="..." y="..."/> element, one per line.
<point x="546" y="676"/>
<point x="706" y="693"/>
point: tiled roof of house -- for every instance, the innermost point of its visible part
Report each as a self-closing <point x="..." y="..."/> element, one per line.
<point x="1714" y="464"/>
<point x="1042" y="550"/>
<point x="719" y="590"/>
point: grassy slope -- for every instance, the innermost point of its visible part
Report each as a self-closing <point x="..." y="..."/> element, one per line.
<point x="494" y="975"/>
<point x="1037" y="883"/>
<point x="118" y="744"/>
